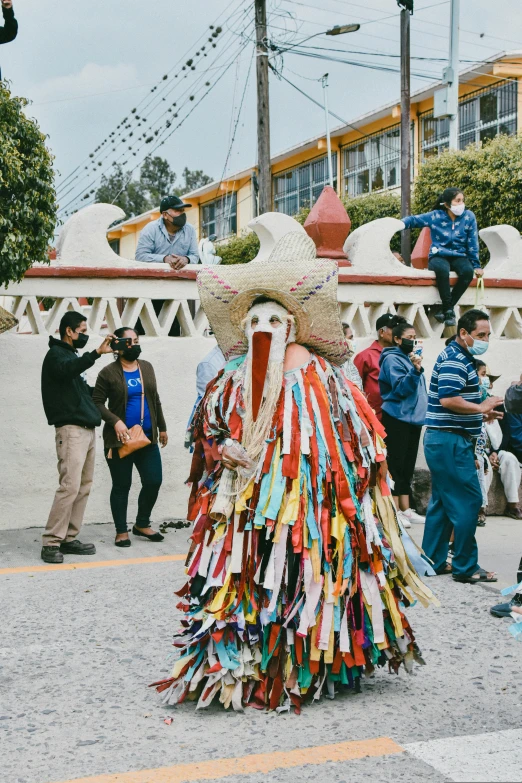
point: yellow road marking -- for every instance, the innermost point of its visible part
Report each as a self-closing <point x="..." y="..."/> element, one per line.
<point x="248" y="765"/>
<point x="87" y="564"/>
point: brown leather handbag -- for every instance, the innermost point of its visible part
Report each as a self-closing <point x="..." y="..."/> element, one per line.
<point x="138" y="439"/>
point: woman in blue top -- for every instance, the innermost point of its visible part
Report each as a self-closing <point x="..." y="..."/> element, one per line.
<point x="118" y="394"/>
<point x="454" y="248"/>
<point x="404" y="404"/>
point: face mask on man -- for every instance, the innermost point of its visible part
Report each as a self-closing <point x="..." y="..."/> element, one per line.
<point x="477" y="347"/>
<point x="458" y="209"/>
<point x="132" y="353"/>
<point x="179" y="220"/>
<point x="485" y="382"/>
<point x="81" y="341"/>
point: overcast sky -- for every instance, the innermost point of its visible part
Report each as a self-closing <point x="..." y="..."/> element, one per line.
<point x="85" y="65"/>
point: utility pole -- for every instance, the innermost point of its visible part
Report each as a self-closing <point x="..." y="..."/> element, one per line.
<point x="406" y="11"/>
<point x="263" y="111"/>
<point x="324" y="82"/>
<point x="452" y="77"/>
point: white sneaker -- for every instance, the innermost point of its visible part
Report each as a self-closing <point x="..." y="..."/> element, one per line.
<point x="403" y="519"/>
<point x="412" y="516"/>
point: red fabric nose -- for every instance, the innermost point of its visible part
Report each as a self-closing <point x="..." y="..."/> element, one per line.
<point x="261" y="342"/>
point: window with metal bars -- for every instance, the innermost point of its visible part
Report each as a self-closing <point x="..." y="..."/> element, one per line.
<point x="483" y="115"/>
<point x="373" y="163"/>
<point x="219" y="217"/>
<point x="301" y="186"/>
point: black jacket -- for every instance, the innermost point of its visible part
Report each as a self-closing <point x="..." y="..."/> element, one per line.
<point x="9" y="31"/>
<point x="66" y="398"/>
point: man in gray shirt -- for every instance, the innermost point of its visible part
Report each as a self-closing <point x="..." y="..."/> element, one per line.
<point x="170" y="239"/>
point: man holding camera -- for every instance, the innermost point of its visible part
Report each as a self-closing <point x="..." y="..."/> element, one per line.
<point x="10" y="29"/>
<point x="69" y="408"/>
<point x="170" y="239"/>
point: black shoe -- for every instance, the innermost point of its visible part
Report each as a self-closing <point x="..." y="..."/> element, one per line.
<point x="154" y="537"/>
<point x="440" y="316"/>
<point x="123" y="542"/>
<point x="449" y="318"/>
<point x="504" y="610"/>
<point x="77" y="548"/>
<point x="52" y="554"/>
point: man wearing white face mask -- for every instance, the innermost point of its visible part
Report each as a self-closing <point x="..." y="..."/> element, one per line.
<point x="454" y="248"/>
<point x="454" y="423"/>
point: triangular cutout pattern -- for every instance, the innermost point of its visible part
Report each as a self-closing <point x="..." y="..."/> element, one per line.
<point x="27" y="310"/>
<point x="104" y="311"/>
<point x="58" y="310"/>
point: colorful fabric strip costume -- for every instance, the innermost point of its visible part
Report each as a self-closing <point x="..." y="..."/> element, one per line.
<point x="297" y="573"/>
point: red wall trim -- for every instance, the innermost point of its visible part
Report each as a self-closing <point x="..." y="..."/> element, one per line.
<point x="190" y="274"/>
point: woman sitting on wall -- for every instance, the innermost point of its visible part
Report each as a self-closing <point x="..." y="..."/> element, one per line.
<point x="130" y="387"/>
<point x="454" y="248"/>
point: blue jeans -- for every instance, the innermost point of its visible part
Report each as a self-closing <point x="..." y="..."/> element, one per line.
<point x="148" y="464"/>
<point x="455" y="501"/>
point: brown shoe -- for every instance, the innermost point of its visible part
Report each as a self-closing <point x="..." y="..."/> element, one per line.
<point x="513" y="510"/>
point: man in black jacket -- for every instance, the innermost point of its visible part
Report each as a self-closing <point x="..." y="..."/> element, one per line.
<point x="10" y="29"/>
<point x="69" y="408"/>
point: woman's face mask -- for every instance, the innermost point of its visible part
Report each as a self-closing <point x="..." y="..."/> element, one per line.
<point x="485" y="382"/>
<point x="458" y="209"/>
<point x="132" y="353"/>
<point x="407" y="345"/>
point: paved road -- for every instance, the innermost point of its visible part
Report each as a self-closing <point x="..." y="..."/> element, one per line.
<point x="79" y="647"/>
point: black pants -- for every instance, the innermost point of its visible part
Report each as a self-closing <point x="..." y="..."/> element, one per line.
<point x="148" y="463"/>
<point x="402" y="443"/>
<point x="442" y="268"/>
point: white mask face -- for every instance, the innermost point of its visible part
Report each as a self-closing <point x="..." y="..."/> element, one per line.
<point x="458" y="209"/>
<point x="271" y="317"/>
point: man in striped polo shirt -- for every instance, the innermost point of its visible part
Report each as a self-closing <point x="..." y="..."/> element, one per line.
<point x="454" y="421"/>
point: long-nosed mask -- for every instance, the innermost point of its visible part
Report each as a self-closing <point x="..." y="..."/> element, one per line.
<point x="269" y="328"/>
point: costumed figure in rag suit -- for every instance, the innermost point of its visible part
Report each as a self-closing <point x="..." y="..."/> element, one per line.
<point x="297" y="574"/>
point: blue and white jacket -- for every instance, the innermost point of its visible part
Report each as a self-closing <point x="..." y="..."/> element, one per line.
<point x="450" y="239"/>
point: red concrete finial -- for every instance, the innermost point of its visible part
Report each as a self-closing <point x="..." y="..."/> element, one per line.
<point x="419" y="255"/>
<point x="328" y="225"/>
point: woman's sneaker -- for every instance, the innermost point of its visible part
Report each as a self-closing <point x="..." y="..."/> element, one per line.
<point x="403" y="519"/>
<point x="411" y="515"/>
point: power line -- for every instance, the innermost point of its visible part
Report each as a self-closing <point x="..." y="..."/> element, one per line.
<point x="140" y="105"/>
<point x="191" y="88"/>
<point x="218" y="79"/>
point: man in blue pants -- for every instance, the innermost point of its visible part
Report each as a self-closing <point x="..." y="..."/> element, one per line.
<point x="454" y="421"/>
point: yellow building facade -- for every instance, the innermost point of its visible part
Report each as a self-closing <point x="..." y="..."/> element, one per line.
<point x="365" y="155"/>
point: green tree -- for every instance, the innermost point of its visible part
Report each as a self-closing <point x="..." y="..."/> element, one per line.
<point x="127" y="193"/>
<point x="157" y="178"/>
<point x="193" y="180"/>
<point x="155" y="181"/>
<point x="27" y="195"/>
<point x="490" y="176"/>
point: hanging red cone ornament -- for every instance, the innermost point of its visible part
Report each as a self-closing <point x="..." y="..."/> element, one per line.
<point x="261" y="342"/>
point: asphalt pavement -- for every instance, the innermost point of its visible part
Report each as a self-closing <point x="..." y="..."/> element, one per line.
<point x="80" y="646"/>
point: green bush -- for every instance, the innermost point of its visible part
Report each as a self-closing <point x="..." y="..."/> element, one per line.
<point x="361" y="210"/>
<point x="240" y="250"/>
<point x="27" y="196"/>
<point x="490" y="176"/>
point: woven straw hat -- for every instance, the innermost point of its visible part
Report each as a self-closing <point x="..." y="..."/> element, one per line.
<point x="7" y="321"/>
<point x="292" y="275"/>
